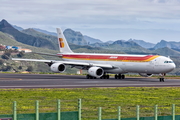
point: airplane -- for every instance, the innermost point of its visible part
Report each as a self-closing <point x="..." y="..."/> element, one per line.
<point x="101" y="65"/>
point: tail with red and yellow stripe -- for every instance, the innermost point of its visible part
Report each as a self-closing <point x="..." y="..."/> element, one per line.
<point x="63" y="45"/>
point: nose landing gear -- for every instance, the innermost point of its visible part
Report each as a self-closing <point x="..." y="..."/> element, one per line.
<point x="161" y="79"/>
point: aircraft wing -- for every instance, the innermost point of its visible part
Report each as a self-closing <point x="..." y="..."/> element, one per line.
<point x="43" y="54"/>
<point x="66" y="62"/>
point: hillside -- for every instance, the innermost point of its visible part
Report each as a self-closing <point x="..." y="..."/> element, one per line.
<point x="142" y="43"/>
<point x="171" y="44"/>
<point x="91" y="40"/>
<point x="128" y="47"/>
<point x="45" y="32"/>
<point x="35" y="33"/>
<point x="167" y="52"/>
<point x="5" y="27"/>
<point x="7" y="39"/>
<point x="74" y="37"/>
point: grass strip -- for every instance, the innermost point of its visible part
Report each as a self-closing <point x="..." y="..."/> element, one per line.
<point x="92" y="98"/>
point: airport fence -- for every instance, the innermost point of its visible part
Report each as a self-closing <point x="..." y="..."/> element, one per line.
<point x="85" y="110"/>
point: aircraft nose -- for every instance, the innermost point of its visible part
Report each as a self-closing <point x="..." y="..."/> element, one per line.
<point x="172" y="67"/>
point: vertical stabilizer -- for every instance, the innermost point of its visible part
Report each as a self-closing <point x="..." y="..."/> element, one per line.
<point x="63" y="45"/>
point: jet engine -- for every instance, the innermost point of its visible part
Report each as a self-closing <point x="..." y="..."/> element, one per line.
<point x="96" y="71"/>
<point x="145" y="74"/>
<point x="58" y="67"/>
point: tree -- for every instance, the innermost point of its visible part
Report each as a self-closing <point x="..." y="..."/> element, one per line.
<point x="8" y="68"/>
<point x="1" y="61"/>
<point x="29" y="69"/>
<point x="21" y="54"/>
<point x="6" y="55"/>
<point x="20" y="67"/>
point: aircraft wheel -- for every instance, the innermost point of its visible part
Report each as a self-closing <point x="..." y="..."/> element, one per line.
<point x="107" y="76"/>
<point x="87" y="76"/>
<point x="115" y="76"/>
<point x="119" y="76"/>
<point x="90" y="77"/>
<point x="123" y="76"/>
<point x="161" y="79"/>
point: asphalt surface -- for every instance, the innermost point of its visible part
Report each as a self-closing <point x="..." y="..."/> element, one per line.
<point x="73" y="81"/>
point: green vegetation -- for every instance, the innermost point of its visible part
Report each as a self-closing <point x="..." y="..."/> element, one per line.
<point x="52" y="39"/>
<point x="92" y="98"/>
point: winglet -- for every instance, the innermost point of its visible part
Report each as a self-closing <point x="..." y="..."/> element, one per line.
<point x="63" y="45"/>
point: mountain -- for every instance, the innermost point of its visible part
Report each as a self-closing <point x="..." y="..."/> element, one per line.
<point x="163" y="43"/>
<point x="103" y="45"/>
<point x="74" y="37"/>
<point x="91" y="40"/>
<point x="45" y="32"/>
<point x="110" y="42"/>
<point x="18" y="28"/>
<point x="6" y="39"/>
<point x="122" y="46"/>
<point x="143" y="43"/>
<point x="167" y="52"/>
<point x="35" y="33"/>
<point x="25" y="38"/>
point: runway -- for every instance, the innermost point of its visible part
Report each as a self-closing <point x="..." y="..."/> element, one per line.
<point x="75" y="81"/>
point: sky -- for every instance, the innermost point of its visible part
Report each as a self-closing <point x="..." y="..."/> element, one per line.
<point x="148" y="20"/>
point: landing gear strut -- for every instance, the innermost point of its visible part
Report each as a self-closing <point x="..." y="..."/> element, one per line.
<point x="119" y="76"/>
<point x="161" y="79"/>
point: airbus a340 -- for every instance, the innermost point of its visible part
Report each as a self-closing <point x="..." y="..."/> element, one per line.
<point x="100" y="65"/>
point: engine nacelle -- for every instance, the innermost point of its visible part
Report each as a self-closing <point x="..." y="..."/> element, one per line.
<point x="145" y="74"/>
<point x="58" y="67"/>
<point x="96" y="71"/>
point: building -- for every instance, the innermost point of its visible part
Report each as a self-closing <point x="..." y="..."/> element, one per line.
<point x="25" y="50"/>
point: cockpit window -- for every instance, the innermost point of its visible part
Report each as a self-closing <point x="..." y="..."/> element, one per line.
<point x="168" y="61"/>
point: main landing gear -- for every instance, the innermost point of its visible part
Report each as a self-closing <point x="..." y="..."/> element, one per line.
<point x="104" y="76"/>
<point x="90" y="77"/>
<point x="119" y="76"/>
<point x="161" y="79"/>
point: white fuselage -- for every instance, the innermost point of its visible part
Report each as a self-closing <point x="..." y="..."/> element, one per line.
<point x="123" y="63"/>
